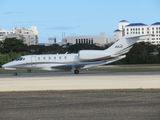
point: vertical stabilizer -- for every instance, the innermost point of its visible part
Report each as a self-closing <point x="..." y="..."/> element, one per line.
<point x="124" y="44"/>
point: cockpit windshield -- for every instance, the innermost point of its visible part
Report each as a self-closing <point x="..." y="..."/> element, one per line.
<point x="19" y="59"/>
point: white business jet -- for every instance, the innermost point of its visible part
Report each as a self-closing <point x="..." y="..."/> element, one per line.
<point x="82" y="60"/>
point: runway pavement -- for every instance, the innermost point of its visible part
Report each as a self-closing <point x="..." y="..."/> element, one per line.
<point x="139" y="104"/>
<point x="86" y="80"/>
<point x="90" y="95"/>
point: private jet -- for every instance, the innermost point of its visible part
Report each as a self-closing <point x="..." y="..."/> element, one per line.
<point x="84" y="59"/>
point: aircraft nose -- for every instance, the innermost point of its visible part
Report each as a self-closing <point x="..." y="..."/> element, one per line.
<point x="8" y="66"/>
<point x="4" y="65"/>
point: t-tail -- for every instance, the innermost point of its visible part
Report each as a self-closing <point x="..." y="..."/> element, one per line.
<point x="125" y="43"/>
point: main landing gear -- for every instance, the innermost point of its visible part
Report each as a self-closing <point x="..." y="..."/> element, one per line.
<point x="28" y="70"/>
<point x="76" y="71"/>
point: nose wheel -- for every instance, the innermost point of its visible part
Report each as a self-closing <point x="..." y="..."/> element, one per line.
<point x="15" y="73"/>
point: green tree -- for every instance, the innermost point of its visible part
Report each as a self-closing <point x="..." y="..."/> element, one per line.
<point x="76" y="47"/>
<point x="14" y="45"/>
<point x="141" y="54"/>
<point x="41" y="49"/>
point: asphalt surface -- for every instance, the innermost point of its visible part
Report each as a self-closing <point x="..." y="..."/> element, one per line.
<point x="100" y="96"/>
<point x="137" y="104"/>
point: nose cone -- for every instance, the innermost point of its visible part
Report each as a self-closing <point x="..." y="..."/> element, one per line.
<point x="4" y="65"/>
<point x="8" y="66"/>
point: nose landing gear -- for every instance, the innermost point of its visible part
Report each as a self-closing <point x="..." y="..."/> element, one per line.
<point x="15" y="73"/>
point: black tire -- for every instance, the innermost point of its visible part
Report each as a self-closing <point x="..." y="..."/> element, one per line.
<point x="76" y="71"/>
<point x="28" y="70"/>
<point x="15" y="73"/>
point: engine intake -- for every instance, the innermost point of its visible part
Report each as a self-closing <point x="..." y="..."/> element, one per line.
<point x="91" y="54"/>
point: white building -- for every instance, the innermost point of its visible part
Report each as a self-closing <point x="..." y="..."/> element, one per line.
<point x="28" y="35"/>
<point x="4" y="33"/>
<point x="138" y="28"/>
<point x="52" y="40"/>
<point x="100" y="40"/>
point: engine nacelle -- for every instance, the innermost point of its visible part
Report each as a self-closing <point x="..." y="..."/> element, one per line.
<point x="91" y="54"/>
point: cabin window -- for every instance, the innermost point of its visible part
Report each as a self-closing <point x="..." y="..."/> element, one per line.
<point x="59" y="57"/>
<point x="65" y="57"/>
<point x="20" y="59"/>
<point x="54" y="57"/>
<point x="43" y="58"/>
<point x="38" y="58"/>
<point x="49" y="58"/>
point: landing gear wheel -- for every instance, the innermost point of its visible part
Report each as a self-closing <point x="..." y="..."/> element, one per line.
<point x="76" y="71"/>
<point x="15" y="73"/>
<point x="29" y="70"/>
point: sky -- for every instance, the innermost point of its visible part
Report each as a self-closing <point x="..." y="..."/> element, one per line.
<point x="76" y="17"/>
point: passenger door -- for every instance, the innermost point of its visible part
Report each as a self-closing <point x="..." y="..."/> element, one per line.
<point x="33" y="61"/>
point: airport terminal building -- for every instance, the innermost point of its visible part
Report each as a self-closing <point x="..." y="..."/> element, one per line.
<point x="99" y="40"/>
<point x="125" y="27"/>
